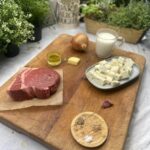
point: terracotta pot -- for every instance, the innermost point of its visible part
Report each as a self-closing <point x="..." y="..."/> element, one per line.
<point x="130" y="35"/>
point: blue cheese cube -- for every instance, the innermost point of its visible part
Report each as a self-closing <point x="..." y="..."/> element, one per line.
<point x="103" y="62"/>
<point x="115" y="83"/>
<point x="100" y="74"/>
<point x="108" y="66"/>
<point x="97" y="76"/>
<point x="115" y="69"/>
<point x="125" y="74"/>
<point x="114" y="62"/>
<point x="129" y="62"/>
<point x="112" y="71"/>
<point x="115" y="76"/>
<point x="109" y="79"/>
<point x="121" y="60"/>
<point x="96" y="67"/>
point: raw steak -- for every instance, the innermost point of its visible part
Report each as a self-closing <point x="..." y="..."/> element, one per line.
<point x="15" y="90"/>
<point x="34" y="82"/>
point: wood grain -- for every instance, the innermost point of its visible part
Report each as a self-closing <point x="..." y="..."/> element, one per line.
<point x="51" y="125"/>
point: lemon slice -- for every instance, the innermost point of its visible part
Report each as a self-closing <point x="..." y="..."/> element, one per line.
<point x="54" y="59"/>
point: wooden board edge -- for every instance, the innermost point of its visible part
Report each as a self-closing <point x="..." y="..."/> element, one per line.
<point x="17" y="128"/>
<point x="22" y="131"/>
<point x="141" y="76"/>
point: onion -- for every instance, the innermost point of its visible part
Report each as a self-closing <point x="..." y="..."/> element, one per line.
<point x="80" y="42"/>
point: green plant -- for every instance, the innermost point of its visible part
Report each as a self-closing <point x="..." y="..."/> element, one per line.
<point x="38" y="8"/>
<point x="131" y="14"/>
<point x="98" y="9"/>
<point x="121" y="2"/>
<point x="126" y="2"/>
<point x="136" y="15"/>
<point x="14" y="27"/>
<point x="92" y="11"/>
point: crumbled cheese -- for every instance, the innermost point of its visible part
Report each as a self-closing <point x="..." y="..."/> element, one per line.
<point x="100" y="78"/>
<point x="112" y="71"/>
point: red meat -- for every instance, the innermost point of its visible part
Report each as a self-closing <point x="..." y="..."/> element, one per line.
<point x="34" y="82"/>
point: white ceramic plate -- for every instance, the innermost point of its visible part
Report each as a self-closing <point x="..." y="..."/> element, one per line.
<point x="134" y="74"/>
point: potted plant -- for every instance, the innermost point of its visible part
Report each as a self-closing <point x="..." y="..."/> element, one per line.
<point x="14" y="28"/>
<point x="129" y="20"/>
<point x="39" y="10"/>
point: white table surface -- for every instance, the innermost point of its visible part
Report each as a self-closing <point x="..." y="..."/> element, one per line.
<point x="139" y="131"/>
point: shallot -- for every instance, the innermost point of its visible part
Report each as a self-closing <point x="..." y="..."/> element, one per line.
<point x="80" y="42"/>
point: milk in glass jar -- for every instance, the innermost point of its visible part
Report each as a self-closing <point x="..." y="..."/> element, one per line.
<point x="105" y="42"/>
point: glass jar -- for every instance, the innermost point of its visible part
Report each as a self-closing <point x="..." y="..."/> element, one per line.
<point x="68" y="13"/>
<point x="105" y="42"/>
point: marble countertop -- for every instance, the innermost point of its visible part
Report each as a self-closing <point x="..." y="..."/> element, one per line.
<point x="139" y="133"/>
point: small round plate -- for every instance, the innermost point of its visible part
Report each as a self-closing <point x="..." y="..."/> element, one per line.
<point x="89" y="129"/>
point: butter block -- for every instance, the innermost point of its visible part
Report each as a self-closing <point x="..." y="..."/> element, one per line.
<point x="73" y="60"/>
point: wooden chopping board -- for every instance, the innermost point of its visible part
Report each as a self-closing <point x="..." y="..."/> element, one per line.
<point x="51" y="125"/>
